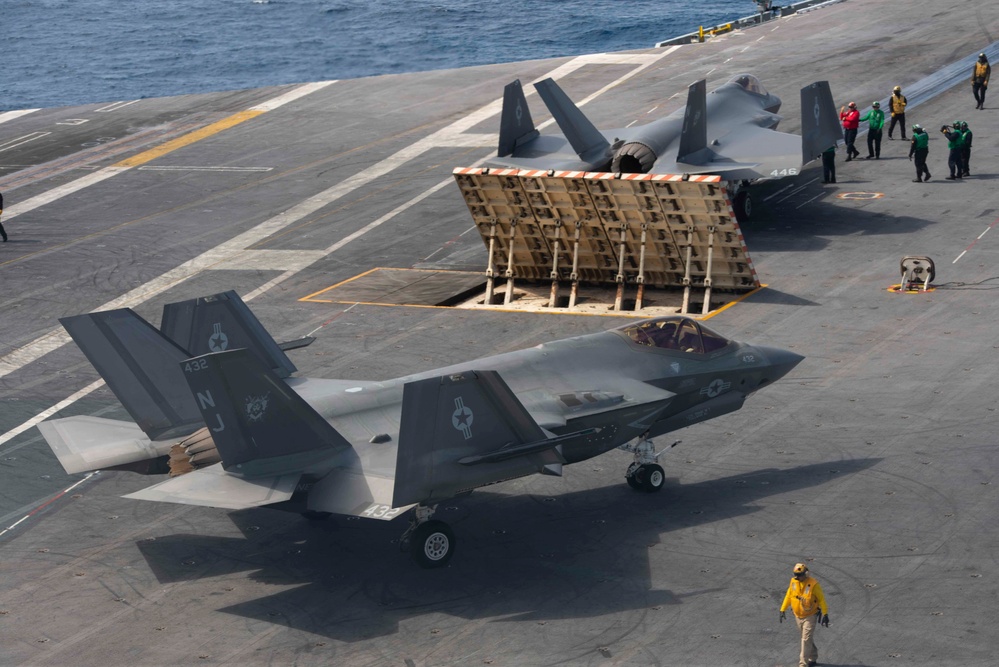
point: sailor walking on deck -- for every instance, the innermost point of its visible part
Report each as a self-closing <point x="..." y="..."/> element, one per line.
<point x="896" y="104"/>
<point x="804" y="595"/>
<point x="919" y="149"/>
<point x="850" y="118"/>
<point x="875" y="124"/>
<point x="980" y="79"/>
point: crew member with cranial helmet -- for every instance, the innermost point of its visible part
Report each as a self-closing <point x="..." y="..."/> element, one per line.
<point x="955" y="162"/>
<point x="919" y="149"/>
<point x="980" y="79"/>
<point x="896" y="104"/>
<point x="850" y="118"/>
<point x="804" y="595"/>
<point x="966" y="137"/>
<point x="875" y="124"/>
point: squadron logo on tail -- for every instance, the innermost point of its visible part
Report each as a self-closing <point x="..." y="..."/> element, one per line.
<point x="256" y="406"/>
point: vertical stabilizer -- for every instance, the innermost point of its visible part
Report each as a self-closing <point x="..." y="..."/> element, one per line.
<point x="259" y="424"/>
<point x="139" y="365"/>
<point x="820" y="127"/>
<point x="222" y="322"/>
<point x="516" y="125"/>
<point x="582" y="135"/>
<point x="694" y="135"/>
<point x="446" y="419"/>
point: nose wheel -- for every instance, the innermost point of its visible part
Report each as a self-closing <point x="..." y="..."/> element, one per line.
<point x="647" y="477"/>
<point x="645" y="474"/>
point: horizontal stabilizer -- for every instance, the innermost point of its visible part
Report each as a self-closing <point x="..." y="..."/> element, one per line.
<point x="222" y="322"/>
<point x="84" y="443"/>
<point x="260" y="425"/>
<point x="139" y="365"/>
<point x="213" y="487"/>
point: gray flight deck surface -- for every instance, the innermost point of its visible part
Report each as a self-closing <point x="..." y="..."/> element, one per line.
<point x="874" y="461"/>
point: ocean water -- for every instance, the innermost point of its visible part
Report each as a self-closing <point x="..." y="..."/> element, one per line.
<point x="67" y="52"/>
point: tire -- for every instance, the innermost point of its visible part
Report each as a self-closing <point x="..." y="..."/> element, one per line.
<point x="653" y="478"/>
<point x="432" y="544"/>
<point x="743" y="206"/>
<point x="633" y="482"/>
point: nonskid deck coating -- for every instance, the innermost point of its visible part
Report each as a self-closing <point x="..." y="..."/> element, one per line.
<point x="874" y="461"/>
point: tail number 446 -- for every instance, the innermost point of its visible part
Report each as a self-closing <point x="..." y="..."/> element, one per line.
<point x="777" y="173"/>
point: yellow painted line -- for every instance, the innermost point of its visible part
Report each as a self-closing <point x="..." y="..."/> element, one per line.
<point x="733" y="302"/>
<point x="190" y="138"/>
<point x="312" y="298"/>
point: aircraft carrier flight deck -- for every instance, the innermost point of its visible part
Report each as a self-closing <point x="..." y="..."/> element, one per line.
<point x="874" y="460"/>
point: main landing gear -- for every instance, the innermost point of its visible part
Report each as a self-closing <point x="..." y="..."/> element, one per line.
<point x="645" y="473"/>
<point x="430" y="543"/>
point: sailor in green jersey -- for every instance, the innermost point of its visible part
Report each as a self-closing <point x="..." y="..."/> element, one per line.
<point x="919" y="149"/>
<point x="875" y="124"/>
<point x="954" y="144"/>
<point x="965" y="148"/>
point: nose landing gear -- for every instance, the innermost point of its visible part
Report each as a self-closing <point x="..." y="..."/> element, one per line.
<point x="645" y="473"/>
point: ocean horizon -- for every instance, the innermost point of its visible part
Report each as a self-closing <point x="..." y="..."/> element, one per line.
<point x="71" y="52"/>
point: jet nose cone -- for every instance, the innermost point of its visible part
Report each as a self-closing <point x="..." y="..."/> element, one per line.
<point x="779" y="361"/>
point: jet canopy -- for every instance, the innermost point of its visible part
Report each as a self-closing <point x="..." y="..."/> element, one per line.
<point x="674" y="333"/>
<point x="750" y="83"/>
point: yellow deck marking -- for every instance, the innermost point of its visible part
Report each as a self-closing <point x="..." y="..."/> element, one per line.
<point x="190" y="138"/>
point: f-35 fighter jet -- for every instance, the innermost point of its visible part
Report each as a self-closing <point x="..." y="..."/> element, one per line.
<point x="731" y="132"/>
<point x="214" y="404"/>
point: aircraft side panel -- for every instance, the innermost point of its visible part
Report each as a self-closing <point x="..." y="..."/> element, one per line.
<point x="448" y="418"/>
<point x="139" y="365"/>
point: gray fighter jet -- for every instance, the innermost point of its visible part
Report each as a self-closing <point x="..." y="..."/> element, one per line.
<point x="214" y="404"/>
<point x="730" y="132"/>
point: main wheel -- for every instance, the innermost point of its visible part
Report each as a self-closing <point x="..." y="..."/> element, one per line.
<point x="633" y="481"/>
<point x="743" y="206"/>
<point x="653" y="478"/>
<point x="432" y="544"/>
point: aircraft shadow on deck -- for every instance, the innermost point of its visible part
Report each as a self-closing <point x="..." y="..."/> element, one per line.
<point x="519" y="558"/>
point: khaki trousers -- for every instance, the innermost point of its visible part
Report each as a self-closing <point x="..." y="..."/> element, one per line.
<point x="806" y="626"/>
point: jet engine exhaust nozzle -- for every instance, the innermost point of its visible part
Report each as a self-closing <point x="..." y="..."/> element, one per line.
<point x="634" y="158"/>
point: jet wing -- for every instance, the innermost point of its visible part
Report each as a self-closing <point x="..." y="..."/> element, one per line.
<point x="774" y="153"/>
<point x="214" y="487"/>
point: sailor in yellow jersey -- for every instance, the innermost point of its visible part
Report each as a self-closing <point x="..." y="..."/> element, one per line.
<point x="804" y="594"/>
<point x="980" y="73"/>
